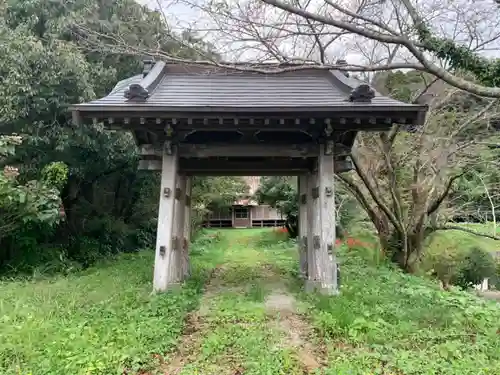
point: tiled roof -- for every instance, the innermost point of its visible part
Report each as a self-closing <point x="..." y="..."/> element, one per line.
<point x="183" y="86"/>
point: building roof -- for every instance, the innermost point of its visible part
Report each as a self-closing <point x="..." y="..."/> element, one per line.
<point x="182" y="87"/>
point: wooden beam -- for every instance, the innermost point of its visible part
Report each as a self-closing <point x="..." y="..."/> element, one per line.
<point x="245" y="172"/>
<point x="150" y="150"/>
<point x="150" y="165"/>
<point x="205" y="150"/>
<point x="264" y="150"/>
<point x="263" y="164"/>
<point x="342" y="166"/>
<point x="228" y="168"/>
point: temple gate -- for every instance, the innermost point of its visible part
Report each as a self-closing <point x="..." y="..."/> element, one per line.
<point x="203" y="120"/>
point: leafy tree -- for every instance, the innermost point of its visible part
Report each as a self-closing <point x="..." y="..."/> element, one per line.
<point x="403" y="179"/>
<point x="33" y="202"/>
<point x="211" y="193"/>
<point x="47" y="63"/>
<point x="279" y="193"/>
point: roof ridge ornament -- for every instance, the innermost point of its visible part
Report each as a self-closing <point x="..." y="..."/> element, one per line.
<point x="136" y="91"/>
<point x="152" y="74"/>
<point x="362" y="94"/>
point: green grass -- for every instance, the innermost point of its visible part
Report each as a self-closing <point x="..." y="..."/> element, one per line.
<point x="384" y="318"/>
<point x="445" y="238"/>
<point x="464" y="240"/>
<point x="96" y="322"/>
<point x="237" y="331"/>
<point x="383" y="322"/>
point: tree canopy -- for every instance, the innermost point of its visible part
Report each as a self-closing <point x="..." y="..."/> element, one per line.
<point x="74" y="192"/>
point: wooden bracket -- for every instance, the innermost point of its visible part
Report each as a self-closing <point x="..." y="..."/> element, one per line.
<point x="169" y="132"/>
<point x="329" y="147"/>
<point x="303" y="199"/>
<point x="329" y="248"/>
<point x="168" y="147"/>
<point x="316" y="242"/>
<point x="328" y="191"/>
<point x="315" y="192"/>
<point x="163" y="250"/>
<point x="328" y="128"/>
<point x="178" y="193"/>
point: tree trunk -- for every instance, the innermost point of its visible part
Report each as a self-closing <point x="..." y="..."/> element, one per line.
<point x="405" y="251"/>
<point x="292" y="228"/>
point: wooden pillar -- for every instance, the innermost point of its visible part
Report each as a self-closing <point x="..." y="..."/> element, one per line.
<point x="164" y="269"/>
<point x="303" y="226"/>
<point x="322" y="226"/>
<point x="328" y="261"/>
<point x="179" y="224"/>
<point x="313" y="230"/>
<point x="187" y="228"/>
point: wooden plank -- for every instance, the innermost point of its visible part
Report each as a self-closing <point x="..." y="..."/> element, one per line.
<point x="164" y="267"/>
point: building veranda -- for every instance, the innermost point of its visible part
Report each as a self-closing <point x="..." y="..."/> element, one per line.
<point x="204" y="120"/>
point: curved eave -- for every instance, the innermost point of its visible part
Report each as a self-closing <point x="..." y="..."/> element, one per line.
<point x="416" y="113"/>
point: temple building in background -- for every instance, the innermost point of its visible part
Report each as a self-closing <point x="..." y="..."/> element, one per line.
<point x="246" y="213"/>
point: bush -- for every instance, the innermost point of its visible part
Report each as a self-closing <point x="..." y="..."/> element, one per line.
<point x="477" y="265"/>
<point x="445" y="265"/>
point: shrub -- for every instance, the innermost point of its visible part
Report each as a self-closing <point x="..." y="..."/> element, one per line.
<point x="445" y="265"/>
<point x="477" y="265"/>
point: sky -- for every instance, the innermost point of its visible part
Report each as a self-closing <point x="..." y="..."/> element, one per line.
<point x="459" y="12"/>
